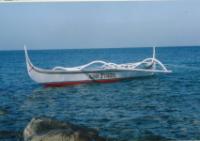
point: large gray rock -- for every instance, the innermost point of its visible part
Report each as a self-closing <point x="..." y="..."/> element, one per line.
<point x="46" y="129"/>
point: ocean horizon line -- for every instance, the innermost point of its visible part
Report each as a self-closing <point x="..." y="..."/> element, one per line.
<point x="100" y="48"/>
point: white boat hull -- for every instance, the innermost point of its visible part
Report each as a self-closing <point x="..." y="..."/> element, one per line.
<point x="71" y="78"/>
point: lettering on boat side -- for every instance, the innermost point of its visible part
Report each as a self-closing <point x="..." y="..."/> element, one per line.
<point x="103" y="75"/>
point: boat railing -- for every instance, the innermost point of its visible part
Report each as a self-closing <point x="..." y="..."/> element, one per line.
<point x="128" y="66"/>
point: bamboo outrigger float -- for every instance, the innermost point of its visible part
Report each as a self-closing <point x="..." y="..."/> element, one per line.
<point x="105" y="72"/>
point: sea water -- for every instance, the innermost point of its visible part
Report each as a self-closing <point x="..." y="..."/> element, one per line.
<point x="162" y="106"/>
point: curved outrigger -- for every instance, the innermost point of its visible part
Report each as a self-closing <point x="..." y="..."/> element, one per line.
<point x="105" y="72"/>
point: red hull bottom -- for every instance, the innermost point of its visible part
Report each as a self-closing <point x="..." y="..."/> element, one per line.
<point x="61" y="84"/>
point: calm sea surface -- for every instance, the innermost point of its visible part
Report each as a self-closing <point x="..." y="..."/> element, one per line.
<point x="167" y="106"/>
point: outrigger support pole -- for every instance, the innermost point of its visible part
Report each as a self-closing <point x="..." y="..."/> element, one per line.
<point x="154" y="57"/>
<point x="154" y="52"/>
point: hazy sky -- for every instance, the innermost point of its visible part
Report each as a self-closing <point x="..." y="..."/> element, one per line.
<point x="99" y="24"/>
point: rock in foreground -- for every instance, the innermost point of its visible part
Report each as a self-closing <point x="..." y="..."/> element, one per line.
<point x="46" y="129"/>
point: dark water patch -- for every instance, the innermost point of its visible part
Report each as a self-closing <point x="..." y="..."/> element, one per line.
<point x="4" y="111"/>
<point x="149" y="136"/>
<point x="11" y="136"/>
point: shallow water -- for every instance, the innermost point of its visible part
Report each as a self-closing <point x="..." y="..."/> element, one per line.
<point x="164" y="105"/>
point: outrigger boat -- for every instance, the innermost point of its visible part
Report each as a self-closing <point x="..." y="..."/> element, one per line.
<point x="96" y="71"/>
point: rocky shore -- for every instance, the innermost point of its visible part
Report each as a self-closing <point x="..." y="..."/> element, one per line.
<point x="47" y="129"/>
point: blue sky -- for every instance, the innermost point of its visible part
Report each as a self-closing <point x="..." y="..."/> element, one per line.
<point x="99" y="24"/>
